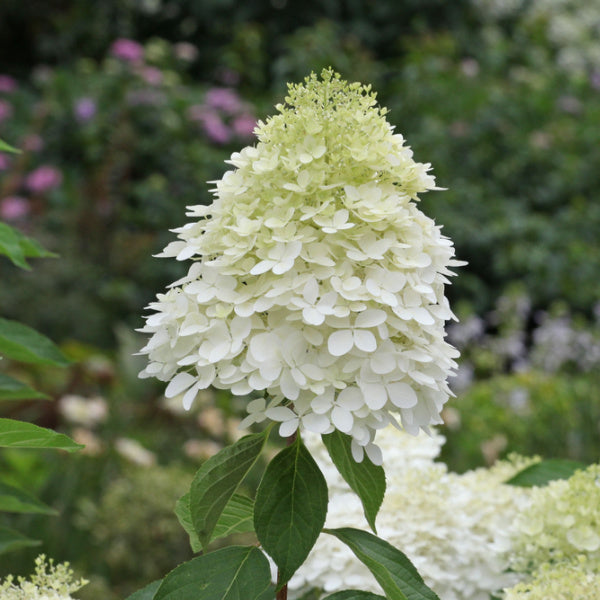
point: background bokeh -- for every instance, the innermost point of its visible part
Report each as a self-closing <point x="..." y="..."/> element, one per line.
<point x="124" y="109"/>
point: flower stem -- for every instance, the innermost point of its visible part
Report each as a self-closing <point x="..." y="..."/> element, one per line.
<point x="282" y="593"/>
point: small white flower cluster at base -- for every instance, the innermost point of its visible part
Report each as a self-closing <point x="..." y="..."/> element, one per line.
<point x="452" y="527"/>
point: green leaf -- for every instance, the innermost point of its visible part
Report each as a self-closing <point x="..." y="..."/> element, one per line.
<point x="17" y="247"/>
<point x="233" y="573"/>
<point x="542" y="473"/>
<point x="290" y="508"/>
<point x="18" y="434"/>
<point x="217" y="480"/>
<point x="12" y="389"/>
<point x="13" y="540"/>
<point x="146" y="593"/>
<point x="12" y="499"/>
<point x="4" y="147"/>
<point x="236" y="518"/>
<point x="354" y="595"/>
<point x="393" y="570"/>
<point x="366" y="479"/>
<point x="19" y="342"/>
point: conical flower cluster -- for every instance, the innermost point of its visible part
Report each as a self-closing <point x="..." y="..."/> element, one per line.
<point x="315" y="279"/>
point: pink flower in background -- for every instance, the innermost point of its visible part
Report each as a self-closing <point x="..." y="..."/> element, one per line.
<point x="215" y="129"/>
<point x="43" y="179"/>
<point x="32" y="143"/>
<point x="127" y="50"/>
<point x="85" y="109"/>
<point x="4" y="162"/>
<point x="152" y="75"/>
<point x="224" y="99"/>
<point x="13" y="208"/>
<point x="243" y="125"/>
<point x="7" y="84"/>
<point x="6" y="110"/>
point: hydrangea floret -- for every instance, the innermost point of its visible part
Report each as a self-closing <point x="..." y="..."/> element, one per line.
<point x="451" y="526"/>
<point x="562" y="523"/>
<point x="49" y="582"/>
<point x="316" y="280"/>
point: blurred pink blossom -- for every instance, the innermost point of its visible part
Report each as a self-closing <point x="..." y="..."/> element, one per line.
<point x="243" y="125"/>
<point x="32" y="143"/>
<point x="152" y="75"/>
<point x="4" y="162"/>
<point x="224" y="99"/>
<point x="7" y="84"/>
<point x="13" y="208"/>
<point x="43" y="179"/>
<point x="85" y="109"/>
<point x="6" y="110"/>
<point x="127" y="50"/>
<point x="215" y="129"/>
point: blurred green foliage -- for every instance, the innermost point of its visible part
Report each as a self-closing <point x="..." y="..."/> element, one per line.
<point x="532" y="413"/>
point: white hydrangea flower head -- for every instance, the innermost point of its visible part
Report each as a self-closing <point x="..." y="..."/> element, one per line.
<point x="315" y="280"/>
<point x="451" y="526"/>
<point x="49" y="582"/>
<point x="562" y="523"/>
<point x="563" y="581"/>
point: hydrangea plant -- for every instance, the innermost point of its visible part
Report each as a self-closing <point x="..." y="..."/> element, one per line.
<point x="316" y="289"/>
<point x="316" y="280"/>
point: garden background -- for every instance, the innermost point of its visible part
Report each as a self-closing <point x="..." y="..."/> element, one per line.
<point x="123" y="111"/>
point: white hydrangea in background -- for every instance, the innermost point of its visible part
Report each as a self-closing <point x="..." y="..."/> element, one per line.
<point x="452" y="527"/>
<point x="316" y="281"/>
<point x="565" y="581"/>
<point x="561" y="524"/>
<point x="49" y="582"/>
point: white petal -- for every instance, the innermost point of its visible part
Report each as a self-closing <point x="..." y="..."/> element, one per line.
<point x="383" y="363"/>
<point x="262" y="267"/>
<point x="342" y="419"/>
<point x="357" y="452"/>
<point x="257" y="405"/>
<point x="321" y="404"/>
<point x="375" y="395"/>
<point x="190" y="396"/>
<point x="422" y="315"/>
<point x="340" y="342"/>
<point x="280" y="413"/>
<point x="351" y="398"/>
<point x="289" y="388"/>
<point x="316" y="423"/>
<point x="311" y="290"/>
<point x="179" y="383"/>
<point x="365" y="340"/>
<point x="370" y="318"/>
<point x="312" y="316"/>
<point x="288" y="428"/>
<point x="402" y="395"/>
<point x="374" y="453"/>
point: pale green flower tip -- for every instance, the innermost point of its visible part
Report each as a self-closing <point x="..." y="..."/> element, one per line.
<point x="578" y="579"/>
<point x="561" y="523"/>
